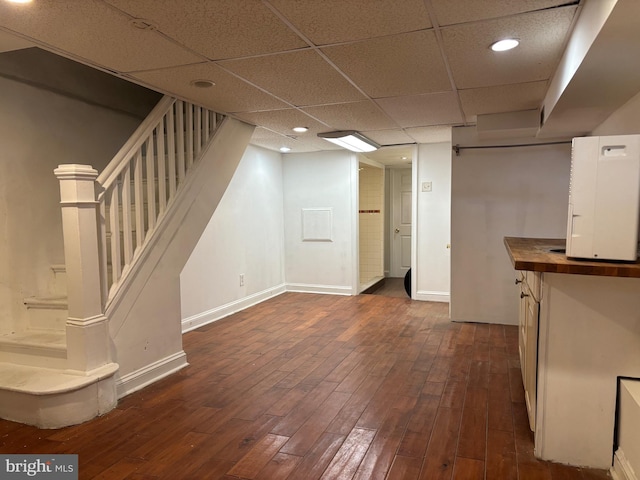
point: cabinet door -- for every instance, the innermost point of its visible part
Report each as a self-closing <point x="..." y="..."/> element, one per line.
<point x="532" y="310"/>
<point x="522" y="330"/>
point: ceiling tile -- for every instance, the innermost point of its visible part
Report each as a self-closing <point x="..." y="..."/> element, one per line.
<point x="400" y="155"/>
<point x="435" y="134"/>
<point x="388" y="137"/>
<point x="230" y="94"/>
<point x="421" y="110"/>
<point x="503" y="98"/>
<point x="10" y="42"/>
<point x="319" y="144"/>
<point x="406" y="64"/>
<point x="474" y="64"/>
<point x="300" y="78"/>
<point x="450" y="12"/>
<point x="333" y="21"/>
<point x="218" y="29"/>
<point x="283" y="121"/>
<point x="95" y="32"/>
<point x="471" y="119"/>
<point x="352" y="116"/>
<point x="273" y="141"/>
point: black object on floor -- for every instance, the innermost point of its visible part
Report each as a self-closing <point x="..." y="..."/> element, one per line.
<point x="407" y="283"/>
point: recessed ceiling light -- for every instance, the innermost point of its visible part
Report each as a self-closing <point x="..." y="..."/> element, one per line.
<point x="202" y="83"/>
<point x="285" y="149"/>
<point x="506" y="44"/>
<point x="300" y="129"/>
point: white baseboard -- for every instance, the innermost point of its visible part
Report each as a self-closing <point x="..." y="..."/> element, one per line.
<point x="621" y="469"/>
<point x="427" y="296"/>
<point x="142" y="377"/>
<point x="328" y="289"/>
<point x="209" y="316"/>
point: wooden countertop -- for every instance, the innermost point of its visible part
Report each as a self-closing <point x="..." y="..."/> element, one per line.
<point x="547" y="255"/>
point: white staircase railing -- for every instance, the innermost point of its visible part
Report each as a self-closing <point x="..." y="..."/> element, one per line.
<point x="141" y="181"/>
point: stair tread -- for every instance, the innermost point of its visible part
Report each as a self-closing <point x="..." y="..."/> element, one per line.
<point x="46" y="381"/>
<point x="59" y="302"/>
<point x="36" y="338"/>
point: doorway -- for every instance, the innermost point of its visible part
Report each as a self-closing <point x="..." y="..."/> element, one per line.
<point x="400" y="221"/>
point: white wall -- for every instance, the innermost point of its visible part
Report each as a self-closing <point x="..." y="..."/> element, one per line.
<point x="498" y="192"/>
<point x="245" y="236"/>
<point x="145" y="321"/>
<point x="590" y="21"/>
<point x="432" y="257"/>
<point x="38" y="131"/>
<point x="321" y="180"/>
<point x="624" y="121"/>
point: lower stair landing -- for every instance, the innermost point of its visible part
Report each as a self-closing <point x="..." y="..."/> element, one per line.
<point x="53" y="398"/>
<point x="36" y="348"/>
<point x="37" y="388"/>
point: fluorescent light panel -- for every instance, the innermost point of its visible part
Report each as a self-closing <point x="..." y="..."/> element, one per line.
<point x="351" y="140"/>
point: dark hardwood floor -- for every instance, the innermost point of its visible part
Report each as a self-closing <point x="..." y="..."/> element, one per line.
<point x="310" y="386"/>
<point x="392" y="287"/>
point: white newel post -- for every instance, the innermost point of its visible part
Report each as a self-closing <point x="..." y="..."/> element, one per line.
<point x="87" y="329"/>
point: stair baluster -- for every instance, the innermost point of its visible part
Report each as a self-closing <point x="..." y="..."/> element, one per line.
<point x="143" y="179"/>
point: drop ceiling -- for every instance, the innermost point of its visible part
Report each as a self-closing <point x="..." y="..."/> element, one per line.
<point x="401" y="72"/>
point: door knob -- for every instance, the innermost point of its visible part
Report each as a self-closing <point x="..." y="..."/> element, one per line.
<point x="397" y="230"/>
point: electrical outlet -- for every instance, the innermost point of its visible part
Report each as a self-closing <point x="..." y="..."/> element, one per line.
<point x="242" y="279"/>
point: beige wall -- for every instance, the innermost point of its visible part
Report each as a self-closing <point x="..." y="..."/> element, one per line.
<point x="371" y="223"/>
<point x="624" y="121"/>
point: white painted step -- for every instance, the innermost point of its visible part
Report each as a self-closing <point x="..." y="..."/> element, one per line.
<point x="47" y="313"/>
<point x="35" y="348"/>
<point x="626" y="462"/>
<point x="49" y="398"/>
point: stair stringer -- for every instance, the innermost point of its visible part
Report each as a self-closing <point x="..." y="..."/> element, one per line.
<point x="144" y="315"/>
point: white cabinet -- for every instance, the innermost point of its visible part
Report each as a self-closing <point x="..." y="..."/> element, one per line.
<point x="589" y="335"/>
<point x="579" y="333"/>
<point x="528" y="338"/>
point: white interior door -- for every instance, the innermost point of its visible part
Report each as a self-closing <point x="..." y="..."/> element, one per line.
<point x="400" y="221"/>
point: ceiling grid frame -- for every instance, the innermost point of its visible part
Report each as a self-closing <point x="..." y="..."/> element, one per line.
<point x="301" y="26"/>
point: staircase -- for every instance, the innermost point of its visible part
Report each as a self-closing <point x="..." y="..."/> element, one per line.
<point x="58" y="368"/>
